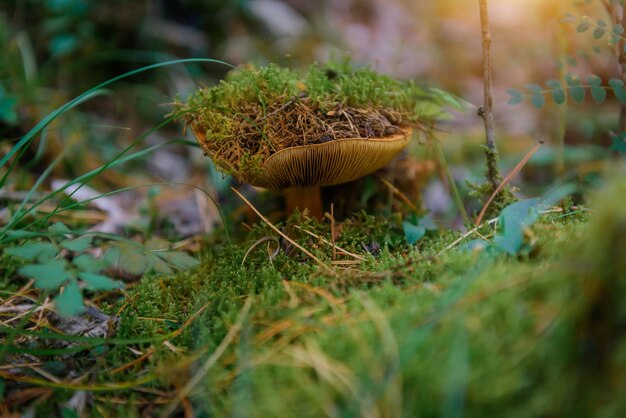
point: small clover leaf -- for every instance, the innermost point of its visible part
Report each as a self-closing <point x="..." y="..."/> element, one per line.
<point x="38" y="251"/>
<point x="49" y="275"/>
<point x="99" y="282"/>
<point x="70" y="300"/>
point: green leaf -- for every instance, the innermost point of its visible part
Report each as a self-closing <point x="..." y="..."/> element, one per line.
<point x="618" y="30"/>
<point x="180" y="260"/>
<point x="99" y="282"/>
<point x="58" y="228"/>
<point x="8" y="114"/>
<point x="413" y="233"/>
<point x="155" y="244"/>
<point x="48" y="275"/>
<point x="157" y="264"/>
<point x="86" y="262"/>
<point x="63" y="44"/>
<point x="602" y="23"/>
<point x="112" y="255"/>
<point x="67" y="412"/>
<point x="598" y="33"/>
<point x="428" y="223"/>
<point x="78" y="244"/>
<point x="598" y="93"/>
<point x="577" y="93"/>
<point x="535" y="88"/>
<point x="554" y="84"/>
<point x="515" y="100"/>
<point x="69" y="301"/>
<point x="618" y="144"/>
<point x="40" y="251"/>
<point x="583" y="26"/>
<point x="513" y="219"/>
<point x="555" y="195"/>
<point x="132" y="259"/>
<point x="21" y="234"/>
<point x="448" y="98"/>
<point x="516" y="96"/>
<point x="594" y="80"/>
<point x="618" y="89"/>
<point x="558" y="95"/>
<point x="519" y="215"/>
<point x="537" y="100"/>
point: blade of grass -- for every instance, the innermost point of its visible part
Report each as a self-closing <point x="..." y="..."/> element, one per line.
<point x="456" y="196"/>
<point x="221" y="348"/>
<point x="282" y="234"/>
<point x="87" y="95"/>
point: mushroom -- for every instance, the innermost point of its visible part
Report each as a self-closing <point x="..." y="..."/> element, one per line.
<point x="300" y="171"/>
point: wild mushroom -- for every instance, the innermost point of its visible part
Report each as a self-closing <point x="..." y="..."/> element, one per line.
<point x="300" y="171"/>
<point x="286" y="130"/>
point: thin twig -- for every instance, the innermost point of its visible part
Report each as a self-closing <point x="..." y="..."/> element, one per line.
<point x="487" y="109"/>
<point x="283" y="107"/>
<point x="335" y="247"/>
<point x="507" y="179"/>
<point x="402" y="196"/>
<point x="257" y="243"/>
<point x="282" y="234"/>
<point x="462" y="237"/>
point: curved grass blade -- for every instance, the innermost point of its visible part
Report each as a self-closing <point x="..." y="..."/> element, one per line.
<point x="86" y="95"/>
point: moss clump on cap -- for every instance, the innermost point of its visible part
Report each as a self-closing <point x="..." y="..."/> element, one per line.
<point x="256" y="112"/>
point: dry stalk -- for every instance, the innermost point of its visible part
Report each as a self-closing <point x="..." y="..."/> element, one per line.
<point x="282" y="234"/>
<point x="486" y="111"/>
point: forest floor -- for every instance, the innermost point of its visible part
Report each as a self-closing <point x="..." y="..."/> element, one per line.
<point x="363" y="325"/>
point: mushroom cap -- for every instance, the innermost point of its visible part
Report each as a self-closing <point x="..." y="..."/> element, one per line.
<point x="326" y="164"/>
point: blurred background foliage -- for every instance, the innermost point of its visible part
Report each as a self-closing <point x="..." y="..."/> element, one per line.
<point x="54" y="50"/>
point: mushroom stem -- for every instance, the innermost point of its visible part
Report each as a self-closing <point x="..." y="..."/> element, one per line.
<point x="304" y="198"/>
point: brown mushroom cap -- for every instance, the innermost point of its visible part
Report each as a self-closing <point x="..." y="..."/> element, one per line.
<point x="334" y="162"/>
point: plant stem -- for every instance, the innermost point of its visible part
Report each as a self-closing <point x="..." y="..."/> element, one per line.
<point x="486" y="111"/>
<point x="620" y="18"/>
<point x="561" y="111"/>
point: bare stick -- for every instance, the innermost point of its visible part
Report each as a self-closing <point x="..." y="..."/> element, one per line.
<point x="486" y="112"/>
<point x="508" y="178"/>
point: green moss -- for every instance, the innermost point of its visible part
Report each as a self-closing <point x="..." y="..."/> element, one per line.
<point x="411" y="331"/>
<point x="256" y="112"/>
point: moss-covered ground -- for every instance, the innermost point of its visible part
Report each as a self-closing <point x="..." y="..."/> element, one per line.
<point x="425" y="330"/>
